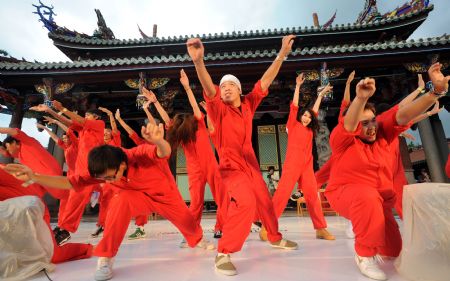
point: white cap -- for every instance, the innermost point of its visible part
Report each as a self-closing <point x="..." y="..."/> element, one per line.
<point x="230" y="78"/>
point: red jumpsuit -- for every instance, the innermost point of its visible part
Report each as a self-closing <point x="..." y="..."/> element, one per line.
<point x="33" y="155"/>
<point x="298" y="167"/>
<point x="149" y="185"/>
<point x="361" y="185"/>
<point x="105" y="189"/>
<point x="90" y="135"/>
<point x="323" y="174"/>
<point x="10" y="187"/>
<point x="202" y="168"/>
<point x="240" y="171"/>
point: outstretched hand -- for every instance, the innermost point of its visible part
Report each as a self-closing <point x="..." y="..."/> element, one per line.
<point x="153" y="133"/>
<point x="195" y="49"/>
<point x="328" y="88"/>
<point x="40" y="108"/>
<point x="365" y="88"/>
<point x="19" y="171"/>
<point x="300" y="79"/>
<point x="184" y="79"/>
<point x="420" y="82"/>
<point x="105" y="110"/>
<point x="40" y="126"/>
<point x="57" y="105"/>
<point x="351" y="77"/>
<point x="440" y="82"/>
<point x="286" y="45"/>
<point x="149" y="95"/>
<point x="408" y="136"/>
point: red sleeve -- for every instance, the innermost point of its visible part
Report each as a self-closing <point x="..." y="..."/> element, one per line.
<point x="388" y="126"/>
<point x="22" y="137"/>
<point x="95" y="125"/>
<point x="447" y="167"/>
<point x="215" y="106"/>
<point x="143" y="153"/>
<point x="116" y="140"/>
<point x="292" y="119"/>
<point x="341" y="139"/>
<point x="61" y="144"/>
<point x="255" y="96"/>
<point x="136" y="139"/>
<point x="79" y="182"/>
<point x="76" y="126"/>
<point x="344" y="105"/>
<point x="72" y="137"/>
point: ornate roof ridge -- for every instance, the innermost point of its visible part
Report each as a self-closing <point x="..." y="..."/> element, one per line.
<point x="239" y="34"/>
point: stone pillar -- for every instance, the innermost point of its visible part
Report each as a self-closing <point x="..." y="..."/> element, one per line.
<point x="322" y="140"/>
<point x="432" y="153"/>
<point x="17" y="116"/>
<point x="406" y="161"/>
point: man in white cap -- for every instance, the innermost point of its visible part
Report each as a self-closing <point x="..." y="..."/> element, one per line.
<point x="232" y="118"/>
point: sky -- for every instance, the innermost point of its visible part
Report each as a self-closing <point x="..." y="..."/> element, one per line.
<point x="21" y="35"/>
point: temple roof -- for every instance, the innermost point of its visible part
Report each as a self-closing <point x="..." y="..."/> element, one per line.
<point x="84" y="47"/>
<point x="391" y="47"/>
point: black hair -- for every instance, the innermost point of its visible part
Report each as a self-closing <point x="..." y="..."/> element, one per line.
<point x="270" y="168"/>
<point x="314" y="124"/>
<point x="95" y="111"/>
<point x="10" y="139"/>
<point x="368" y="106"/>
<point x="382" y="107"/>
<point x="105" y="157"/>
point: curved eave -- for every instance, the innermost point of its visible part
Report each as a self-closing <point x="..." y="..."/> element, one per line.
<point x="413" y="18"/>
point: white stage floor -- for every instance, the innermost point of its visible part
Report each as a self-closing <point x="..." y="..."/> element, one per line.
<point x="158" y="256"/>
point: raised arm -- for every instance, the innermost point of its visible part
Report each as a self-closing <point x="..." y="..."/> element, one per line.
<point x="185" y="82"/>
<point x="24" y="173"/>
<point x="57" y="122"/>
<point x="148" y="113"/>
<point x="112" y="121"/>
<point x="72" y="115"/>
<point x="412" y="96"/>
<point x="196" y="51"/>
<point x="152" y="97"/>
<point x="8" y="131"/>
<point x="320" y="97"/>
<point x="298" y="83"/>
<point x="208" y="120"/>
<point x="51" y="134"/>
<point x="272" y="71"/>
<point x="427" y="114"/>
<point x="46" y="109"/>
<point x="410" y="111"/>
<point x="123" y="124"/>
<point x="348" y="84"/>
<point x="155" y="135"/>
<point x="364" y="90"/>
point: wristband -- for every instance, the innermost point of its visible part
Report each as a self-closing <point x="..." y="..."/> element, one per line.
<point x="280" y="58"/>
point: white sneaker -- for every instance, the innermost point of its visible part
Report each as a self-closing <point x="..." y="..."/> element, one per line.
<point x="104" y="269"/>
<point x="369" y="267"/>
<point x="349" y="231"/>
<point x="205" y="244"/>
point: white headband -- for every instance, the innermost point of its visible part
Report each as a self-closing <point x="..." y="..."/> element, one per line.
<point x="230" y="78"/>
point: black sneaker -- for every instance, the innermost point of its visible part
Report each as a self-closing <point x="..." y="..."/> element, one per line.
<point x="62" y="237"/>
<point x="56" y="230"/>
<point x="297" y="195"/>
<point x="258" y="224"/>
<point x="97" y="232"/>
<point x="218" y="234"/>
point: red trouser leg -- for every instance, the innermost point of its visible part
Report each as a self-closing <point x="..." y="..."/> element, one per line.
<point x="62" y="210"/>
<point x="197" y="184"/>
<point x="308" y="184"/>
<point x="220" y="194"/>
<point x="128" y="203"/>
<point x="75" y="208"/>
<point x="323" y="175"/>
<point x="241" y="211"/>
<point x="399" y="182"/>
<point x="141" y="220"/>
<point x="106" y="193"/>
<point x="372" y="223"/>
<point x="264" y="207"/>
<point x="63" y="196"/>
<point x="284" y="190"/>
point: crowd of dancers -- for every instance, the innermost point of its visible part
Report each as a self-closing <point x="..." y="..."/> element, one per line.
<point x="364" y="174"/>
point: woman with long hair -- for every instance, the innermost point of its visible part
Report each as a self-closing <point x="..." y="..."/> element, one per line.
<point x="298" y="166"/>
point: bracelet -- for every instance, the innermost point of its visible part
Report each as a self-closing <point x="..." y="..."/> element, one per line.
<point x="280" y="58"/>
<point x="421" y="90"/>
<point x="430" y="87"/>
<point x="64" y="109"/>
<point x="28" y="183"/>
